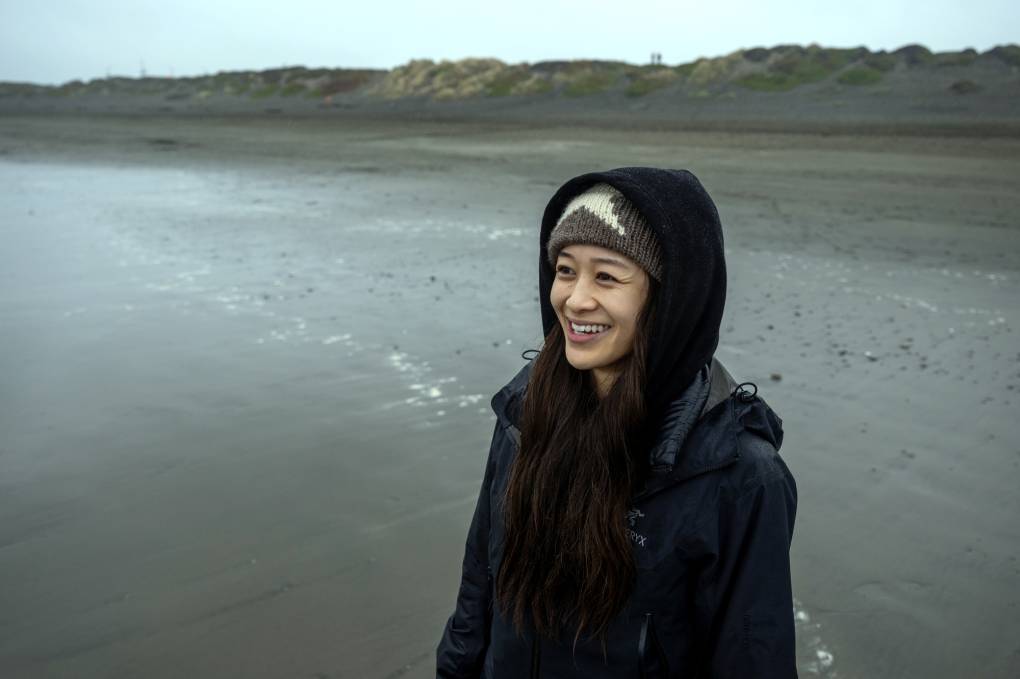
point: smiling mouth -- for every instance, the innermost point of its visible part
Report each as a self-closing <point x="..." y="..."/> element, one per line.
<point x="580" y="332"/>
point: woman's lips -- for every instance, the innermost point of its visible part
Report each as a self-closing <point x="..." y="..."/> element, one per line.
<point x="581" y="338"/>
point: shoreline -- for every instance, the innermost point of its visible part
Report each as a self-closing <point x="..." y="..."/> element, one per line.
<point x="226" y="135"/>
<point x="920" y="127"/>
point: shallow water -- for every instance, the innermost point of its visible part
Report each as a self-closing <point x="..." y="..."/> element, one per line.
<point x="245" y="406"/>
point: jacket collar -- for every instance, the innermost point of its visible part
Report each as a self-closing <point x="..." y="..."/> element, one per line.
<point x="712" y="385"/>
<point x="507" y="401"/>
<point x="686" y="447"/>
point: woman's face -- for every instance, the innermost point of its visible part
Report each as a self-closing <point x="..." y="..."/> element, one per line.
<point x="601" y="287"/>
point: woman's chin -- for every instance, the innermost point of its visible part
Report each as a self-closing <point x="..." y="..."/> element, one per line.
<point x="583" y="362"/>
<point x="579" y="363"/>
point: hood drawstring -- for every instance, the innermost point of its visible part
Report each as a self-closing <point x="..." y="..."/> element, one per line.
<point x="537" y="352"/>
<point x="744" y="395"/>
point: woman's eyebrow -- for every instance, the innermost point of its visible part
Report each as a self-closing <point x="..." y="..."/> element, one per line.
<point x="600" y="260"/>
<point x="609" y="260"/>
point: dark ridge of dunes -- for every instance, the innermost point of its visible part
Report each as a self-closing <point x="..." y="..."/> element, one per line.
<point x="774" y="69"/>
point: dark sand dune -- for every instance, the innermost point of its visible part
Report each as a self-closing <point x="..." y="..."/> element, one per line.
<point x="247" y="366"/>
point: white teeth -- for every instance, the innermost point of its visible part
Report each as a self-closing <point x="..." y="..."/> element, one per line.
<point x="590" y="329"/>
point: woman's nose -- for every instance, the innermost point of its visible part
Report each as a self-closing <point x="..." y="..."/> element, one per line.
<point x="581" y="298"/>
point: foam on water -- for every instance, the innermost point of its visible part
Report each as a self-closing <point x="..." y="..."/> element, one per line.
<point x="813" y="657"/>
<point x="436" y="227"/>
<point x="196" y="284"/>
<point x="493" y="233"/>
<point x="428" y="390"/>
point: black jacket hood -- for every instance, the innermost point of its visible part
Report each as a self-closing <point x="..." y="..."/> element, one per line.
<point x="692" y="291"/>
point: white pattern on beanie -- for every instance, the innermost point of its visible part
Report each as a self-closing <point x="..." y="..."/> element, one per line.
<point x="598" y="199"/>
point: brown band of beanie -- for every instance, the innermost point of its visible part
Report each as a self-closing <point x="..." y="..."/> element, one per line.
<point x="603" y="216"/>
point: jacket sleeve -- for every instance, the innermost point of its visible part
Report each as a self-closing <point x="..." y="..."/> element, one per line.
<point x="461" y="650"/>
<point x="744" y="603"/>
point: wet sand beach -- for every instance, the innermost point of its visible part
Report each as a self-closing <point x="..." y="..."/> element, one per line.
<point x="248" y="361"/>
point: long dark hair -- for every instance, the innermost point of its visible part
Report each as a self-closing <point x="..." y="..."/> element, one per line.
<point x="567" y="557"/>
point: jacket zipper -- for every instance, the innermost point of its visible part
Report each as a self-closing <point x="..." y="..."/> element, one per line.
<point x="642" y="644"/>
<point x="535" y="665"/>
<point x="646" y="638"/>
<point x="492" y="595"/>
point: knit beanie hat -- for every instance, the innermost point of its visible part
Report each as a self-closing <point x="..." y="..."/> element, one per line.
<point x="602" y="216"/>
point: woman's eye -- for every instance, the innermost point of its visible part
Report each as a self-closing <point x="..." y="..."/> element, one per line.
<point x="607" y="276"/>
<point x="563" y="269"/>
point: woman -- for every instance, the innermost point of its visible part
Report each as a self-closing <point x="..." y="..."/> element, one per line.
<point x="635" y="517"/>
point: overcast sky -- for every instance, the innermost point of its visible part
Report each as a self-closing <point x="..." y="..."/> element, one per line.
<point x="54" y="41"/>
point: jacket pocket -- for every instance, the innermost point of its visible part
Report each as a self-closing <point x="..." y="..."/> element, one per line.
<point x="652" y="661"/>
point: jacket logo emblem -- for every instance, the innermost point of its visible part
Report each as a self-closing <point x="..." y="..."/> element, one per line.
<point x="632" y="517"/>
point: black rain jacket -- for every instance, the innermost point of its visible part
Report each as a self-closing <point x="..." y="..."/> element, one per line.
<point x="711" y="527"/>
<point x="711" y="532"/>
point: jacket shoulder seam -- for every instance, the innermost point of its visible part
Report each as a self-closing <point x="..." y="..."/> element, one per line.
<point x="752" y="485"/>
<point x="765" y="469"/>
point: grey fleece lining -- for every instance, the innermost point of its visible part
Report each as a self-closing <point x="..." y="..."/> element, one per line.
<point x="723" y="385"/>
